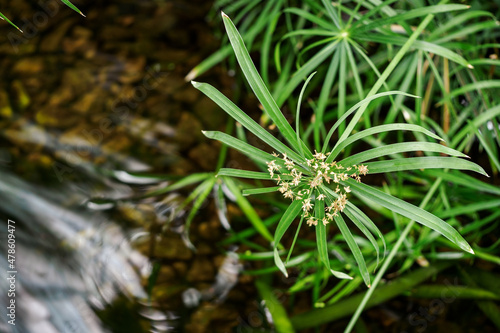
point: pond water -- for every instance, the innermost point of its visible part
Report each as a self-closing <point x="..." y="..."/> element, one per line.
<point x="85" y="103"/>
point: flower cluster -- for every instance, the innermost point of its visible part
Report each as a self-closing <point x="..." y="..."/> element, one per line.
<point x="303" y="183"/>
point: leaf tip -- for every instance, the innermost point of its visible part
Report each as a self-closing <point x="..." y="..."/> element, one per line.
<point x="224" y="15"/>
<point x="470" y="66"/>
<point x="471" y="251"/>
<point x="191" y="75"/>
<point x="195" y="84"/>
<point x="82" y="14"/>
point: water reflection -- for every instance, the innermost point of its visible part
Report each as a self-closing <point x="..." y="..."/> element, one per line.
<point x="85" y="106"/>
<point x="70" y="262"/>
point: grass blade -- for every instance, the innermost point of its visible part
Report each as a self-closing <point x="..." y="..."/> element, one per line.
<point x="243" y="174"/>
<point x="9" y="21"/>
<point x="257" y="84"/>
<point x="247" y="149"/>
<point x="360" y="225"/>
<point x="379" y="129"/>
<point x="400" y="148"/>
<point x="331" y="12"/>
<point x="410" y="211"/>
<point x="354" y="108"/>
<point x="322" y="241"/>
<point x="305" y="70"/>
<point x="415" y="163"/>
<point x="286" y="220"/>
<point x="234" y="111"/>
<point x="70" y="5"/>
<point x="261" y="190"/>
<point x="346" y="233"/>
<point x="297" y="120"/>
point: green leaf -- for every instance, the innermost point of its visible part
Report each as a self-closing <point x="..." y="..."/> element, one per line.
<point x="243" y="174"/>
<point x="410" y="211"/>
<point x="305" y="70"/>
<point x="231" y="109"/>
<point x="354" y="108"/>
<point x="375" y="130"/>
<point x="415" y="163"/>
<point x="297" y="120"/>
<point x="314" y="19"/>
<point x="247" y="149"/>
<point x="261" y="190"/>
<point x="2" y="16"/>
<point x="331" y="12"/>
<point x="354" y="218"/>
<point x="286" y="220"/>
<point x="257" y="84"/>
<point x="400" y="148"/>
<point x="70" y="5"/>
<point x="319" y="213"/>
<point x="346" y="233"/>
<point x="326" y="90"/>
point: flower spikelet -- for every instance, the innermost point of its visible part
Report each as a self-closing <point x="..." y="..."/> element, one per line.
<point x="306" y="182"/>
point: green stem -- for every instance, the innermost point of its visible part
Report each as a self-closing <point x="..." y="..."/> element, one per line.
<point x="294" y="239"/>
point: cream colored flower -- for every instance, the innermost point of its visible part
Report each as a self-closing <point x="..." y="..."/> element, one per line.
<point x="363" y="169"/>
<point x="319" y="156"/>
<point x="306" y="205"/>
<point x="311" y="221"/>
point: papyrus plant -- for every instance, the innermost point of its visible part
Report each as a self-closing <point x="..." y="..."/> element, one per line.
<point x="318" y="184"/>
